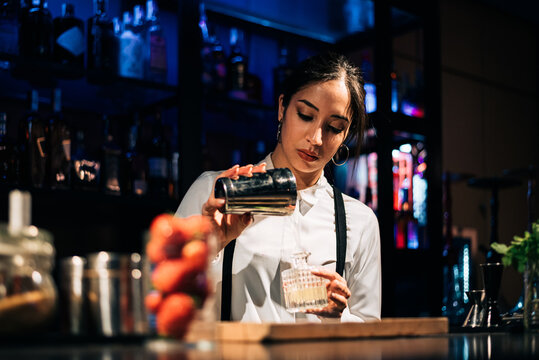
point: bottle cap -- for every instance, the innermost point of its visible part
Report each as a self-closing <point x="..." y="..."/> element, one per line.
<point x="20" y="210"/>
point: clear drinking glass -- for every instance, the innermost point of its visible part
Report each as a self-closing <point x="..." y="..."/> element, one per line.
<point x="303" y="290"/>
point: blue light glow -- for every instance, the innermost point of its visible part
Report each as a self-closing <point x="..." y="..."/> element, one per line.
<point x="370" y="97"/>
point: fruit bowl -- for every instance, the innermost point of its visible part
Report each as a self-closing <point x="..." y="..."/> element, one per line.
<point x="178" y="249"/>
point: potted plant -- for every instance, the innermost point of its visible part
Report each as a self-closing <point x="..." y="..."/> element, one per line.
<point x="523" y="255"/>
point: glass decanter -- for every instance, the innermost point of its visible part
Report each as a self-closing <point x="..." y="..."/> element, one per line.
<point x="302" y="290"/>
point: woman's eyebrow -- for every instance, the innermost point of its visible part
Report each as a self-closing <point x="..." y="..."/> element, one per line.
<point x="309" y="104"/>
<point x="340" y="117"/>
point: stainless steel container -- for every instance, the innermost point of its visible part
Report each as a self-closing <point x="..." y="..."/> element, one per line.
<point x="73" y="295"/>
<point x="115" y="293"/>
<point x="270" y="193"/>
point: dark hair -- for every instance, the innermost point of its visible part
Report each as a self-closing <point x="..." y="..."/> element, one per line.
<point x="326" y="67"/>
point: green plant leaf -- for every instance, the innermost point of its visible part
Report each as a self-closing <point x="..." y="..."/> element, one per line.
<point x="500" y="248"/>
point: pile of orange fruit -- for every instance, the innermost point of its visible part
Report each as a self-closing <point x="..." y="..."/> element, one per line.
<point x="178" y="249"/>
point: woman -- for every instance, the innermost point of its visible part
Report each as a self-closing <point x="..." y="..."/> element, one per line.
<point x="322" y="106"/>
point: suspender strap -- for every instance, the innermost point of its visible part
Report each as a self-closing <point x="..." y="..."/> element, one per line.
<point x="340" y="229"/>
<point x="226" y="289"/>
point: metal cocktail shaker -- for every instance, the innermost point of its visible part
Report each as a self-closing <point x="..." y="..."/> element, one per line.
<point x="115" y="293"/>
<point x="269" y="193"/>
<point x="73" y="295"/>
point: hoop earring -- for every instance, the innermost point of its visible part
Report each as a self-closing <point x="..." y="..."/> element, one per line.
<point x="347" y="155"/>
<point x="279" y="130"/>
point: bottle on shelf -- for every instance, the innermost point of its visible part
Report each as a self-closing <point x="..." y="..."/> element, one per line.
<point x="281" y="73"/>
<point x="86" y="169"/>
<point x="174" y="186"/>
<point x="219" y="67"/>
<point x="206" y="52"/>
<point x="102" y="52"/>
<point x="156" y="45"/>
<point x="130" y="60"/>
<point x="237" y="66"/>
<point x="32" y="146"/>
<point x="9" y="27"/>
<point x="158" y="160"/>
<point x="6" y="153"/>
<point x="134" y="163"/>
<point x="111" y="160"/>
<point x="59" y="149"/>
<point x="68" y="37"/>
<point x="36" y="31"/>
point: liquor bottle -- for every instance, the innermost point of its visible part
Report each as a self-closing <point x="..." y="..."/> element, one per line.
<point x="134" y="163"/>
<point x="156" y="46"/>
<point x="102" y="53"/>
<point x="68" y="37"/>
<point x="281" y="73"/>
<point x="59" y="149"/>
<point x="111" y="160"/>
<point x="32" y="146"/>
<point x="139" y="26"/>
<point x="5" y="152"/>
<point x="158" y="164"/>
<point x="219" y="72"/>
<point x="9" y="27"/>
<point x="206" y="51"/>
<point x="174" y="181"/>
<point x="130" y="60"/>
<point x="36" y="32"/>
<point x="237" y="65"/>
<point x="86" y="169"/>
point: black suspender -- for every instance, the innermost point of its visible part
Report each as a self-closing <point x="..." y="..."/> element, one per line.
<point x="226" y="284"/>
<point x="340" y="230"/>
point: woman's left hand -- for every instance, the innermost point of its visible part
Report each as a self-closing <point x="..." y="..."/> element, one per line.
<point x="337" y="291"/>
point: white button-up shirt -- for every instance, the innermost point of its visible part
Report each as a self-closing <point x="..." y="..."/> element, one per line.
<point x="262" y="251"/>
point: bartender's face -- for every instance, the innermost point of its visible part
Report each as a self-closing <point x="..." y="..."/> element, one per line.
<point x="315" y="125"/>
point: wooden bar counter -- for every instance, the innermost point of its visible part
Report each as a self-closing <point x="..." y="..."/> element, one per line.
<point x="390" y="339"/>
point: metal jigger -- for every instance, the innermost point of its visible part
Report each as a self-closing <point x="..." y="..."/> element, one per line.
<point x="492" y="277"/>
<point x="476" y="315"/>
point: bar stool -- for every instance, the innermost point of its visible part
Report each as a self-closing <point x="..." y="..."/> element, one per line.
<point x="494" y="184"/>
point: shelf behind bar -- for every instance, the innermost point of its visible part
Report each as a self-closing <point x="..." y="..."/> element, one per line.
<point x="86" y="197"/>
<point x="216" y="11"/>
<point x="82" y="90"/>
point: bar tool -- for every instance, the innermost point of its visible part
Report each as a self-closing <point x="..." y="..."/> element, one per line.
<point x="477" y="311"/>
<point x="270" y="193"/>
<point x="73" y="295"/>
<point x="492" y="276"/>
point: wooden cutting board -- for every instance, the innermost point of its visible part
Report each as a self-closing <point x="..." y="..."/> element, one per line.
<point x="389" y="327"/>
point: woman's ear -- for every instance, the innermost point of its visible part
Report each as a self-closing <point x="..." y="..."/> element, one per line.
<point x="280" y="115"/>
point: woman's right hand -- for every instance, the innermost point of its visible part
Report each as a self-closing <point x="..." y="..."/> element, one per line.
<point x="229" y="226"/>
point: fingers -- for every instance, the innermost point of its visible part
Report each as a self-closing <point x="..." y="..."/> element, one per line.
<point x="247" y="219"/>
<point x="340" y="287"/>
<point x="328" y="274"/>
<point x="339" y="300"/>
<point x="325" y="273"/>
<point x="212" y="205"/>
<point x="232" y="172"/>
<point x="337" y="283"/>
<point x="259" y="168"/>
<point x="246" y="170"/>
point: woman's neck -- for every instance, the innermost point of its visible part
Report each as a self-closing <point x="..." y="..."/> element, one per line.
<point x="303" y="180"/>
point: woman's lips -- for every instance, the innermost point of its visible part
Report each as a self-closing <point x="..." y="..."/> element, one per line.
<point x="307" y="156"/>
